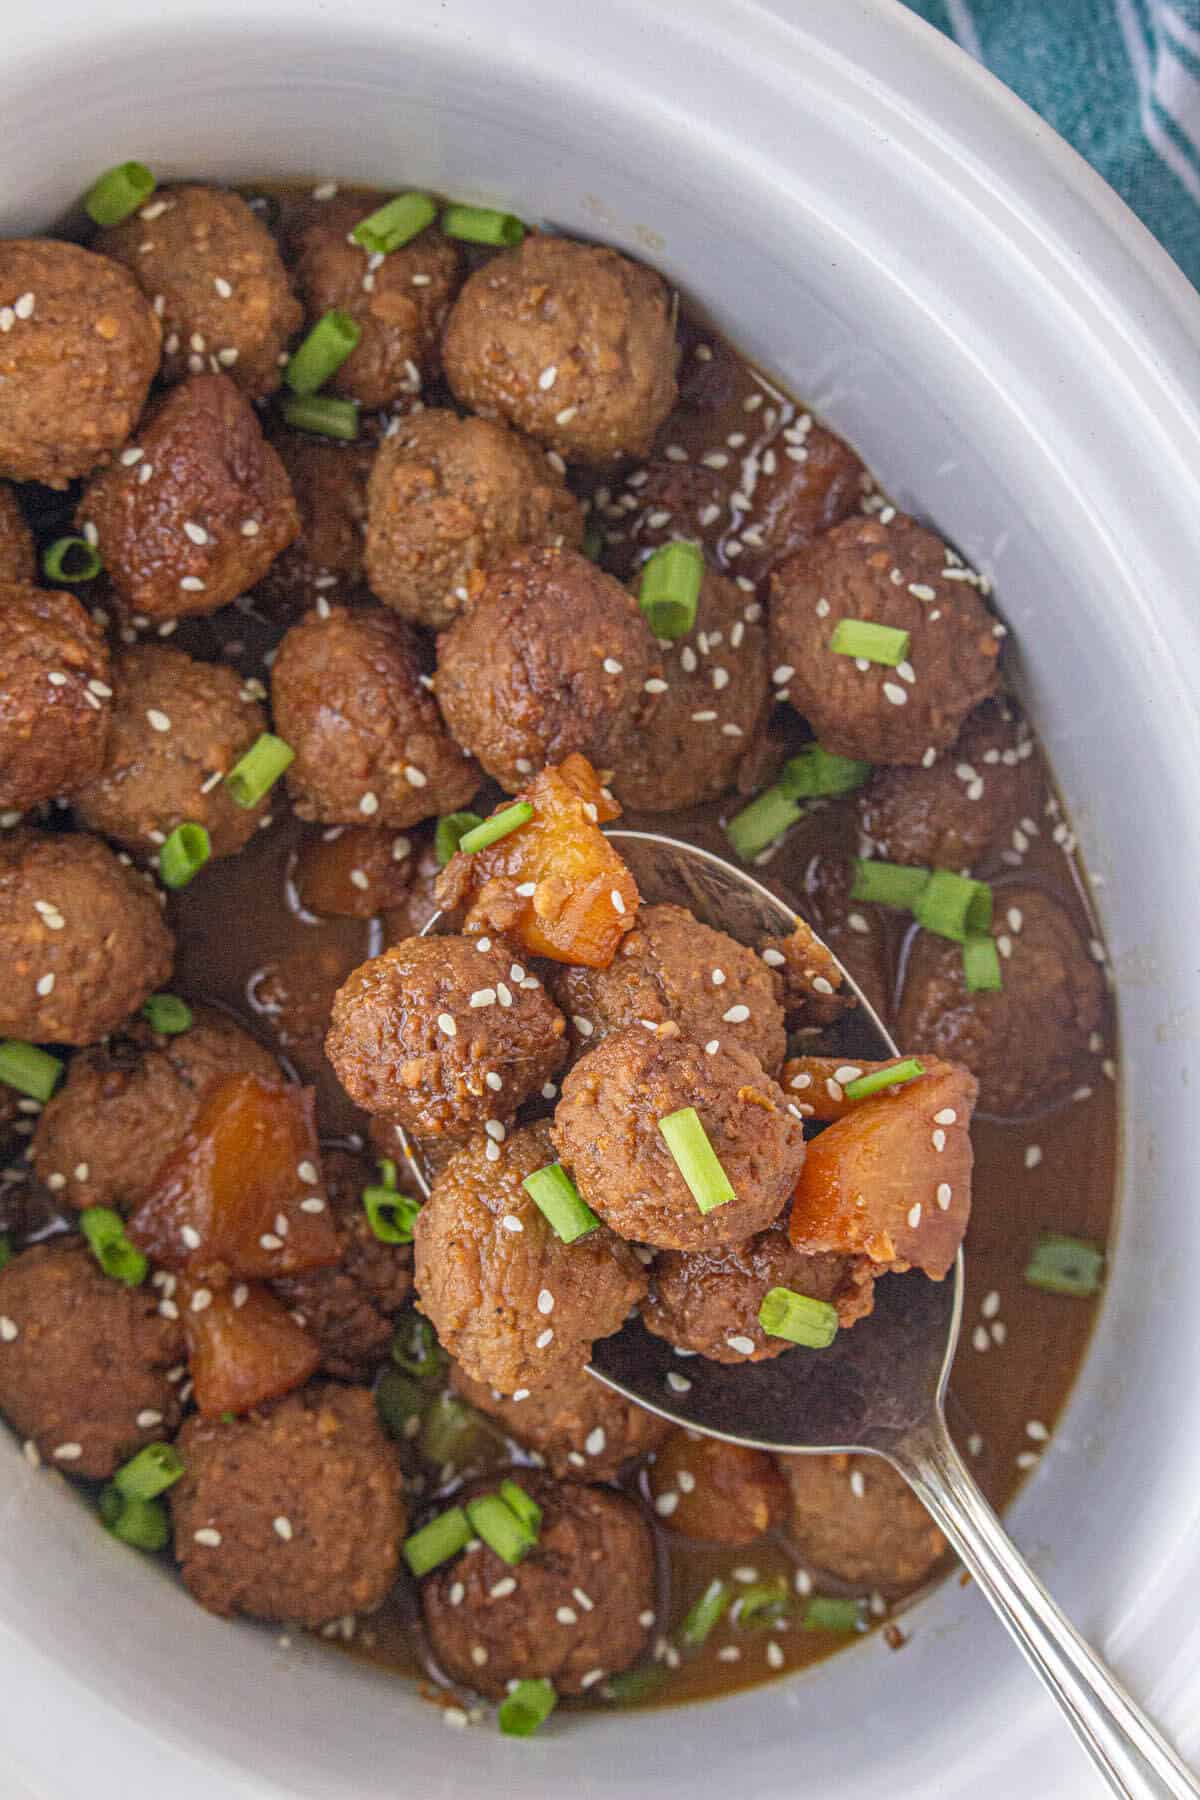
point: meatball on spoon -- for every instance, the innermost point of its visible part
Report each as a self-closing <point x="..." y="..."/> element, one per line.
<point x="879" y="1388"/>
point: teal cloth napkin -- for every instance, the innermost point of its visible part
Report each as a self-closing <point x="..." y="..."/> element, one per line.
<point x="1120" y="79"/>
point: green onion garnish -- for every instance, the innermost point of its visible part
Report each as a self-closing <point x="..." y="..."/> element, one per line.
<point x="390" y="1215"/>
<point x="415" y="1348"/>
<point x="398" y="1402"/>
<point x="758" y="825"/>
<point x="72" y="559"/>
<point x="104" y="1230"/>
<point x="528" y="1706"/>
<point x="869" y="642"/>
<point x="451" y="829"/>
<point x="490" y="831"/>
<point x="879" y="1079"/>
<point x="480" y="225"/>
<point x="815" y="773"/>
<point x="184" y="855"/>
<point x="981" y="966"/>
<point x="558" y="1200"/>
<point x="785" y="1314"/>
<point x="167" y="1014"/>
<point x="954" y="906"/>
<point x="887" y="884"/>
<point x="6" y="1249"/>
<point x="255" y="774"/>
<point x="594" y="541"/>
<point x="118" y="193"/>
<point x="825" y="1612"/>
<point x="523" y="1504"/>
<point x="394" y="224"/>
<point x="706" y="1612"/>
<point x="449" y="1431"/>
<point x="27" y="1068"/>
<point x="438" y="1541"/>
<point x="332" y="339"/>
<point x="152" y="1471"/>
<point x="1066" y="1265"/>
<point x="670" y="589"/>
<point x="389" y="1175"/>
<point x="632" y="1685"/>
<point x="141" y="1523"/>
<point x="497" y="1524"/>
<point x="763" y="1604"/>
<point x="696" y="1159"/>
<point x="322" y="414"/>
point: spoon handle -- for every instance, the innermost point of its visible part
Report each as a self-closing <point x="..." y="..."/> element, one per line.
<point x="1131" y="1754"/>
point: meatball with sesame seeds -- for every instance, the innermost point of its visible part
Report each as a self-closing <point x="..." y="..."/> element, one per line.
<point x="892" y="575"/>
<point x="582" y="1429"/>
<point x="371" y="746"/>
<point x="54" y="696"/>
<point x="212" y="273"/>
<point x="355" y="871"/>
<point x="17" y="561"/>
<point x="807" y="481"/>
<point x="193" y="511"/>
<point x="718" y="1492"/>
<point x="857" y="1518"/>
<point x="79" y="347"/>
<point x="441" y="1034"/>
<point x="329" y="482"/>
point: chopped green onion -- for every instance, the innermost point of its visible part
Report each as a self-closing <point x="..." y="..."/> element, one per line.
<point x="72" y="559"/>
<point x="490" y="831"/>
<point x="669" y="592"/>
<point x="152" y="1471"/>
<point x="763" y="1604"/>
<point x="118" y="193"/>
<point x="480" y="225"/>
<point x="765" y="819"/>
<point x="869" y="642"/>
<point x="981" y="966"/>
<point x="887" y="884"/>
<point x="332" y="339"/>
<point x="451" y="829"/>
<point x="632" y="1685"/>
<point x="398" y="1401"/>
<point x="449" y="1428"/>
<point x="825" y="1612"/>
<point x="167" y="1014"/>
<point x="706" y="1612"/>
<point x="786" y="1314"/>
<point x="559" y="1202"/>
<point x="696" y="1159"/>
<point x="396" y="223"/>
<point x="389" y="1175"/>
<point x="27" y="1068"/>
<point x="879" y="1079"/>
<point x="816" y="773"/>
<point x="322" y="414"/>
<point x="523" y="1504"/>
<point x="255" y="774"/>
<point x="437" y="1542"/>
<point x="528" y="1706"/>
<point x="141" y="1523"/>
<point x="497" y="1524"/>
<point x="1066" y="1265"/>
<point x="6" y="1249"/>
<point x="391" y="1215"/>
<point x="594" y="542"/>
<point x="184" y="855"/>
<point x="954" y="906"/>
<point x="415" y="1348"/>
<point x="104" y="1230"/>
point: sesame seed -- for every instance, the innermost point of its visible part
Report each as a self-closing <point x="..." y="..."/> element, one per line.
<point x="208" y="1536"/>
<point x="45" y="984"/>
<point x="56" y="1182"/>
<point x="737" y="1015"/>
<point x="922" y="591"/>
<point x="8" y="1329"/>
<point x="847" y="1072"/>
<point x="23" y="308"/>
<point x="56" y="678"/>
<point x="665" y="1504"/>
<point x="483" y="997"/>
<point x="283" y="1528"/>
<point x="29" y="1451"/>
<point x="914" y="1215"/>
<point x="743" y="1346"/>
<point x="269" y="1241"/>
<point x="192" y="584"/>
<point x="202" y="1298"/>
<point x="455" y="1717"/>
<point x="190" y="1236"/>
<point x="775" y="1655"/>
<point x="654" y="686"/>
<point x="223" y="288"/>
<point x="548" y="377"/>
<point x="544" y="1338"/>
<point x="168" y="1309"/>
<point x="447" y="1025"/>
<point x="1028" y="1459"/>
<point x="545" y="1301"/>
<point x="504" y="993"/>
<point x="369" y="804"/>
<point x="678" y="1384"/>
<point x="527" y="889"/>
<point x="7" y="318"/>
<point x="68" y="1452"/>
<point x="195" y="532"/>
<point x="566" y="1615"/>
<point x="312" y="1204"/>
<point x="157" y="721"/>
<point x="718" y="977"/>
<point x="947" y="1116"/>
<point x="1033" y="1155"/>
<point x="774" y="959"/>
<point x="945" y="1194"/>
<point x="895" y="693"/>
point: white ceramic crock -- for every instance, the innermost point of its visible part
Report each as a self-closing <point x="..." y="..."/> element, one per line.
<point x="877" y="221"/>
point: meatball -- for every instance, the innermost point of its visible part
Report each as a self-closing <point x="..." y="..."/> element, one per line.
<point x="213" y="275"/>
<point x="817" y="482"/>
<point x="582" y="1429"/>
<point x="515" y="1304"/>
<point x="17" y="561"/>
<point x="178" y="726"/>
<point x="410" y="917"/>
<point x="370" y="743"/>
<point x="721" y="1493"/>
<point x="78" y="349"/>
<point x="606" y="1129"/>
<point x="85" y="1362"/>
<point x="293" y="994"/>
<point x="450" y="497"/>
<point x="856" y="933"/>
<point x="329" y="484"/>
<point x="350" y="1308"/>
<point x="551" y="658"/>
<point x="708" y="1302"/>
<point x="856" y="1518"/>
<point x="661" y="501"/>
<point x="399" y="301"/>
<point x="442" y="1033"/>
<point x="570" y="342"/>
<point x="355" y="871"/>
<point x="128" y="1102"/>
<point x="891" y="575"/>
<point x="295" y="1513"/>
<point x="1025" y="1045"/>
<point x="82" y="940"/>
<point x="487" y="1633"/>
<point x="54" y="695"/>
<point x="193" y="513"/>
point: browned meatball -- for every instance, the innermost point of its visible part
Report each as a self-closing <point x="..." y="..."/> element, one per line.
<point x="662" y="501"/>
<point x="856" y="933"/>
<point x="592" y="1542"/>
<point x="129" y="1101"/>
<point x="570" y="342"/>
<point x="370" y="743"/>
<point x="606" y="1129"/>
<point x="581" y="1428"/>
<point x="355" y="871"/>
<point x="718" y="1492"/>
<point x="809" y="481"/>
<point x="82" y="940"/>
<point x="414" y="912"/>
<point x="507" y="1297"/>
<point x="708" y="1302"/>
<point x="84" y="1360"/>
<point x="1027" y="1043"/>
<point x="672" y="967"/>
<point x="856" y="1518"/>
<point x="78" y="348"/>
<point x="329" y="483"/>
<point x="293" y="1514"/>
<point x="54" y="696"/>
<point x="212" y="273"/>
<point x="178" y="726"/>
<point x="449" y="498"/>
<point x="443" y="1033"/>
<point x="400" y="301"/>
<point x="552" y="657"/>
<point x="17" y="562"/>
<point x="893" y="575"/>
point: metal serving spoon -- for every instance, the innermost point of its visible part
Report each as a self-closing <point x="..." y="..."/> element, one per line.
<point x="879" y="1387"/>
